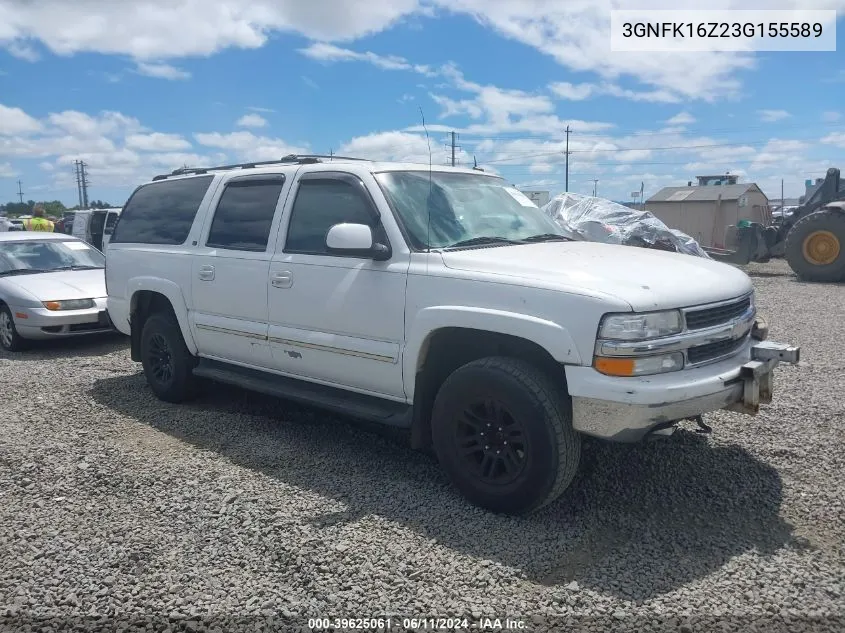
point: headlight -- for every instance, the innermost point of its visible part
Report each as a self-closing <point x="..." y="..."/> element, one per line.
<point x="636" y="327"/>
<point x="640" y="366"/>
<point x="69" y="304"/>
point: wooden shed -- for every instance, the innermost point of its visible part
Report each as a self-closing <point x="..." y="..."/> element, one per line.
<point x="705" y="212"/>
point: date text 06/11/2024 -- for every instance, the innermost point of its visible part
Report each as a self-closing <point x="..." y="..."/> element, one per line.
<point x="416" y="624"/>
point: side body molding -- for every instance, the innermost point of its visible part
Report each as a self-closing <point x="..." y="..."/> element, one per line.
<point x="547" y="334"/>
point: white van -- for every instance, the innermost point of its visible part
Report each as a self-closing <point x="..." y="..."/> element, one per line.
<point x="95" y="226"/>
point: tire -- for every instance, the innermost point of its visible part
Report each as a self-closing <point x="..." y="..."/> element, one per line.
<point x="10" y="340"/>
<point x="521" y="398"/>
<point x="830" y="224"/>
<point x="168" y="365"/>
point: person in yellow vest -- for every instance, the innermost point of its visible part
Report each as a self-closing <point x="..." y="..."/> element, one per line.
<point x="38" y="222"/>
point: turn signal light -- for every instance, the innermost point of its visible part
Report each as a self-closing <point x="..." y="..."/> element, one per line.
<point x="639" y="366"/>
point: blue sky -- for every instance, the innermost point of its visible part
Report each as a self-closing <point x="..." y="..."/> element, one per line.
<point x="136" y="90"/>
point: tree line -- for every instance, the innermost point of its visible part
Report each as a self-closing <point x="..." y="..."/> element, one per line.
<point x="53" y="207"/>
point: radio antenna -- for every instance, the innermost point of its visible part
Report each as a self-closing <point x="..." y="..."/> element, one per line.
<point x="430" y="176"/>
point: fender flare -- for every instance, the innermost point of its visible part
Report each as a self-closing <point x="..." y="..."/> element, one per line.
<point x="173" y="293"/>
<point x="551" y="336"/>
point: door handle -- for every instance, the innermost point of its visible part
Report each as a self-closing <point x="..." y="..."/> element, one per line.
<point x="283" y="279"/>
<point x="206" y="272"/>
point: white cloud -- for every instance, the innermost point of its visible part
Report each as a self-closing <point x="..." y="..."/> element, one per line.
<point x="7" y="170"/>
<point x="260" y="109"/>
<point x="161" y="71"/>
<point x="682" y="118"/>
<point x="80" y="124"/>
<point x="771" y="116"/>
<point x="167" y="29"/>
<point x="247" y="146"/>
<point x="157" y="142"/>
<point x="573" y="92"/>
<point x="574" y="33"/>
<point x="252" y="120"/>
<point x="831" y="117"/>
<point x="835" y="138"/>
<point x="394" y="146"/>
<point x="15" y="121"/>
<point x="324" y="52"/>
<point x="310" y="82"/>
<point x="23" y="51"/>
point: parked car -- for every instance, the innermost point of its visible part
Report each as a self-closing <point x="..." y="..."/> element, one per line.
<point x="51" y="285"/>
<point x="94" y="226"/>
<point x="440" y="300"/>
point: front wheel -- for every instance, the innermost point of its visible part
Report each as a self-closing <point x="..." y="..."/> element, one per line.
<point x="815" y="246"/>
<point x="168" y="365"/>
<point x="503" y="433"/>
<point x="10" y="340"/>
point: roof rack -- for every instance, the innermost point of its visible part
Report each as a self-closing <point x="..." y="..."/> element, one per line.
<point x="290" y="159"/>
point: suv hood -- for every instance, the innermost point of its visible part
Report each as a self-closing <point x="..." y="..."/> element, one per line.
<point x="61" y="285"/>
<point x="646" y="279"/>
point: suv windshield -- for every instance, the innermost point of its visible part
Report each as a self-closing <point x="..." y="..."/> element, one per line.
<point x="39" y="256"/>
<point x="465" y="209"/>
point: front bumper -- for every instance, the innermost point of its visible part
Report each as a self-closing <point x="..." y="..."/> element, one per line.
<point x="629" y="409"/>
<point x="41" y="323"/>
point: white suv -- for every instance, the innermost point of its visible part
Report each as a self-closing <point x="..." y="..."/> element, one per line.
<point x="440" y="300"/>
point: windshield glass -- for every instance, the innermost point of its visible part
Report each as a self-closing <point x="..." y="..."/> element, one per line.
<point x="48" y="255"/>
<point x="462" y="206"/>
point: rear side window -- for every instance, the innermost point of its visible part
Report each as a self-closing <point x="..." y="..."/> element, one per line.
<point x="161" y="212"/>
<point x="245" y="214"/>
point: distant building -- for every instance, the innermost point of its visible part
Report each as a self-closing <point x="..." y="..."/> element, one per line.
<point x="540" y="198"/>
<point x="717" y="180"/>
<point x="704" y="212"/>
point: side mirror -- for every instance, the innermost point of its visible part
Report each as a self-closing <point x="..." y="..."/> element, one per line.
<point x="355" y="239"/>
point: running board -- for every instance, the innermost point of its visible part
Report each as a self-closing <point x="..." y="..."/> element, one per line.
<point x="349" y="403"/>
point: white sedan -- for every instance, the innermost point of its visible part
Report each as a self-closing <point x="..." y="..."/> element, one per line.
<point x="51" y="285"/>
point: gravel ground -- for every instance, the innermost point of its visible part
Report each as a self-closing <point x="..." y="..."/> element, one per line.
<point x="239" y="512"/>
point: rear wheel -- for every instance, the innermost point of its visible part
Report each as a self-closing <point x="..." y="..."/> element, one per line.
<point x="10" y="340"/>
<point x="815" y="246"/>
<point x="503" y="433"/>
<point x="168" y="365"/>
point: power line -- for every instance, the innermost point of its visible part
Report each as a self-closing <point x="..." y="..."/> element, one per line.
<point x="684" y="132"/>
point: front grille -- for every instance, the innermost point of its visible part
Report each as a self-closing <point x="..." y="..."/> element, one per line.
<point x="709" y="317"/>
<point x="710" y="351"/>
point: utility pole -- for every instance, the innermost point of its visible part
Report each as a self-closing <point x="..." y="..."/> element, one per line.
<point x="453" y="146"/>
<point x="331" y="154"/>
<point x="782" y="201"/>
<point x="595" y="186"/>
<point x="567" y="158"/>
<point x="81" y="183"/>
<point x="20" y="192"/>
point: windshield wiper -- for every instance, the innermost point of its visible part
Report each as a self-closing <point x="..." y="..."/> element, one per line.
<point x="478" y="241"/>
<point x="23" y="271"/>
<point x="78" y="268"/>
<point x="547" y="237"/>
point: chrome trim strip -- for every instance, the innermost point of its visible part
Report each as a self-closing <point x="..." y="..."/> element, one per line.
<point x="717" y="304"/>
<point x="223" y="330"/>
<point x="734" y="329"/>
<point x="335" y="350"/>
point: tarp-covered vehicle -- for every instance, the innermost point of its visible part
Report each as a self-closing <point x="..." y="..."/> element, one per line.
<point x="590" y="219"/>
